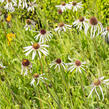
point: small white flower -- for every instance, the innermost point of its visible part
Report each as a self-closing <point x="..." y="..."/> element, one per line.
<point x="32" y="5"/>
<point x="36" y="48"/>
<point x="1" y="66"/>
<point x="9" y="5"/>
<point x="43" y="35"/>
<point x="63" y="6"/>
<point x="26" y="65"/>
<point x="82" y="22"/>
<point x="78" y="65"/>
<point x="58" y="63"/>
<point x="37" y="78"/>
<point x="29" y="24"/>
<point x="105" y="32"/>
<point x="96" y="26"/>
<point x="75" y="5"/>
<point x="97" y="83"/>
<point x="62" y="27"/>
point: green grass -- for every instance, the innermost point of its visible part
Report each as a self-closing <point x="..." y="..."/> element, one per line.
<point x="62" y="90"/>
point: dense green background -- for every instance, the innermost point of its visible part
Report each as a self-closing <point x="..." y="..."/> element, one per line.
<point x="63" y="90"/>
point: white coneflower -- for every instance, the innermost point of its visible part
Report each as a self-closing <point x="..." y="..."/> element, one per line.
<point x="63" y="6"/>
<point x="43" y="36"/>
<point x="82" y="22"/>
<point x="62" y="26"/>
<point x="97" y="83"/>
<point x="37" y="77"/>
<point x="32" y="6"/>
<point x="77" y="64"/>
<point x="29" y="24"/>
<point x="36" y="48"/>
<point x="58" y="63"/>
<point x="26" y="65"/>
<point x="96" y="26"/>
<point x="75" y="5"/>
<point x="1" y="66"/>
<point x="9" y="5"/>
<point x="105" y="32"/>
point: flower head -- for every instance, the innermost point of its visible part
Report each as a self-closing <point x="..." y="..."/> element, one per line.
<point x="75" y="5"/>
<point x="93" y="21"/>
<point x="82" y="23"/>
<point x="62" y="27"/>
<point x="43" y="35"/>
<point x="81" y="19"/>
<point x="29" y="24"/>
<point x="36" y="48"/>
<point x="25" y="62"/>
<point x="58" y="63"/>
<point x="96" y="26"/>
<point x="59" y="11"/>
<point x="43" y="31"/>
<point x="63" y="3"/>
<point x="26" y="66"/>
<point x="37" y="77"/>
<point x="97" y="83"/>
<point x="61" y="24"/>
<point x="77" y="64"/>
<point x="64" y="6"/>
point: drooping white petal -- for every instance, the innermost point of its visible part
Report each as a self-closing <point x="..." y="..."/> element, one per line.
<point x="101" y="78"/>
<point x="91" y="91"/>
<point x="39" y="54"/>
<point x="27" y="48"/>
<point x="101" y="91"/>
<point x="97" y="93"/>
<point x="106" y="80"/>
<point x="21" y="70"/>
<point x="32" y="82"/>
<point x="28" y="52"/>
<point x="63" y="66"/>
<point x="26" y="72"/>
